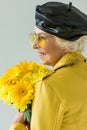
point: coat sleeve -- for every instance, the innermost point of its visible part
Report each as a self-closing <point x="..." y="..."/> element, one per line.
<point x="47" y="109"/>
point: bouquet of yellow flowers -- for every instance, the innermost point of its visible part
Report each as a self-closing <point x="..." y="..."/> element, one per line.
<point x="17" y="85"/>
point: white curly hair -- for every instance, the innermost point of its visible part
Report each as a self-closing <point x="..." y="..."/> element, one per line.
<point x="73" y="46"/>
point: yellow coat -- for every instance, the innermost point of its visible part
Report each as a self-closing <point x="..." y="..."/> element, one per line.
<point x="60" y="101"/>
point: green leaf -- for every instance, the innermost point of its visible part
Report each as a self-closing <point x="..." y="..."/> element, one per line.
<point x="27" y="115"/>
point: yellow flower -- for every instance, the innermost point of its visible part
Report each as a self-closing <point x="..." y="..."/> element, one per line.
<point x="22" y="95"/>
<point x="11" y="75"/>
<point x="17" y="84"/>
<point x="5" y="94"/>
<point x="25" y="66"/>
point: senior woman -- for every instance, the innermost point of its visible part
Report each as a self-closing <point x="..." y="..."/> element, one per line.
<point x="60" y="101"/>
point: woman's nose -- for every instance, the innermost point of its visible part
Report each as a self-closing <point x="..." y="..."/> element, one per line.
<point x="35" y="44"/>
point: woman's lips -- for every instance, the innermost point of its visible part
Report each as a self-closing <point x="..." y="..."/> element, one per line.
<point x="41" y="54"/>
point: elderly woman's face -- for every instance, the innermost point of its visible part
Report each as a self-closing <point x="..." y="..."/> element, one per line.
<point x="47" y="47"/>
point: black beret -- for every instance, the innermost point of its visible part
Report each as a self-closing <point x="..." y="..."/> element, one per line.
<point x="62" y="20"/>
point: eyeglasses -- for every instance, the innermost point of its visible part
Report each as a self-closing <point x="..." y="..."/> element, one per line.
<point x="40" y="38"/>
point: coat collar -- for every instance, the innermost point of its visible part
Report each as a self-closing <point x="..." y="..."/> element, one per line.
<point x="69" y="59"/>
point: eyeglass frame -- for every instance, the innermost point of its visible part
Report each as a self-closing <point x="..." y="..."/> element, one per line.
<point x="38" y="38"/>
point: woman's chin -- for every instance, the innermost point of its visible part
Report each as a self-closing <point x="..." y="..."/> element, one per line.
<point x="43" y="62"/>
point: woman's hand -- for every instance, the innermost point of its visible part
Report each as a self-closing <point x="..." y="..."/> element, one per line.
<point x="20" y="118"/>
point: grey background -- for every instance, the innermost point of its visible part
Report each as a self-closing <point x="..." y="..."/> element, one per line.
<point x="16" y="22"/>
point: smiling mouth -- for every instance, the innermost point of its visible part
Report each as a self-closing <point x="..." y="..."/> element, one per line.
<point x="41" y="53"/>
